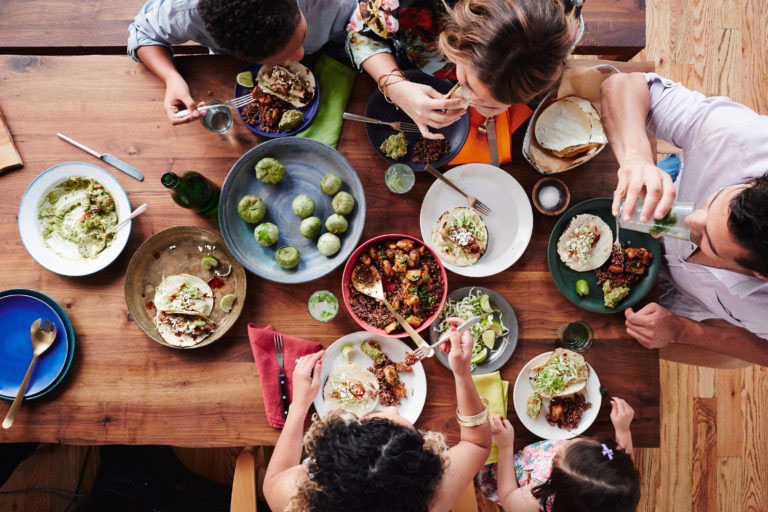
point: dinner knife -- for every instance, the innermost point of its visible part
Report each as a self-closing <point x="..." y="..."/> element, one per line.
<point x="107" y="158"/>
<point x="494" y="151"/>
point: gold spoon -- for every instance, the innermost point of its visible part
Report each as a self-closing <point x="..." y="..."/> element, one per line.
<point x="42" y="339"/>
<point x="367" y="280"/>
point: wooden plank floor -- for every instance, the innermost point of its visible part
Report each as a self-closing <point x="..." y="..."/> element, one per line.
<point x="714" y="440"/>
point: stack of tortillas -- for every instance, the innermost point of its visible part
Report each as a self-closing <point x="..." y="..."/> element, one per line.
<point x="570" y="127"/>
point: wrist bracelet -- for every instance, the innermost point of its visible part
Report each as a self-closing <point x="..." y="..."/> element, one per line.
<point x="476" y="419"/>
<point x="387" y="79"/>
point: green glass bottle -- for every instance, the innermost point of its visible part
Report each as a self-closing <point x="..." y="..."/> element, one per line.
<point x="193" y="191"/>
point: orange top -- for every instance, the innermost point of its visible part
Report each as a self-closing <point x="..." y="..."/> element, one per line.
<point x="475" y="149"/>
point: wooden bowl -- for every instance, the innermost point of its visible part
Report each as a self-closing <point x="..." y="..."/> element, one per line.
<point x="179" y="251"/>
<point x="565" y="195"/>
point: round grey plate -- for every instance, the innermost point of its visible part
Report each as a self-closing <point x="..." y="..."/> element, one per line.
<point x="504" y="347"/>
<point x="306" y="162"/>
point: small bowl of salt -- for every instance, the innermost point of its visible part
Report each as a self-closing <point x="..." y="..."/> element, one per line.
<point x="550" y="196"/>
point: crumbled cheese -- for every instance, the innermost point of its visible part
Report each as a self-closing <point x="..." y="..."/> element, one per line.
<point x="580" y="244"/>
<point x="461" y="236"/>
<point x="172" y="247"/>
<point x="199" y="248"/>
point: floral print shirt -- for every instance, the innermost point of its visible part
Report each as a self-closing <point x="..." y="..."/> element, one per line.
<point x="408" y="29"/>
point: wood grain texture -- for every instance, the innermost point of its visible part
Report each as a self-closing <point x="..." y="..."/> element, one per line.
<point x="676" y="437"/>
<point x="211" y="397"/>
<point x="67" y="26"/>
<point x="754" y="490"/>
<point x="647" y="461"/>
<point x="730" y="390"/>
<point x="704" y="476"/>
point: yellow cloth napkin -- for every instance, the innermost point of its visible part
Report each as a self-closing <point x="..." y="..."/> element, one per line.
<point x="496" y="391"/>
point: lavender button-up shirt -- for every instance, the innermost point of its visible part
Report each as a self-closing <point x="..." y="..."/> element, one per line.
<point x="725" y="144"/>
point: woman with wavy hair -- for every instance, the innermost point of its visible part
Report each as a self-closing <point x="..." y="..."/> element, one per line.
<point x="503" y="51"/>
<point x="379" y="462"/>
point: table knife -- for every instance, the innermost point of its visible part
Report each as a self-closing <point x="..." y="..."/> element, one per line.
<point x="107" y="158"/>
<point x="494" y="151"/>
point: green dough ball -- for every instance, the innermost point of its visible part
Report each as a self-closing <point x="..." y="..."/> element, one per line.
<point x="330" y="184"/>
<point x="251" y="209"/>
<point x="328" y="244"/>
<point x="303" y="206"/>
<point x="270" y="170"/>
<point x="343" y="203"/>
<point x="310" y="227"/>
<point x="336" y="223"/>
<point x="287" y="257"/>
<point x="266" y="234"/>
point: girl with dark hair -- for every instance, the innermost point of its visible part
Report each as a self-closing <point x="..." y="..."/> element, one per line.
<point x="576" y="475"/>
<point x="379" y="462"/>
<point x="503" y="51"/>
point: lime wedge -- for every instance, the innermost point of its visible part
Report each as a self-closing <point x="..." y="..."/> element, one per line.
<point x="226" y="302"/>
<point x="208" y="262"/>
<point x="245" y="79"/>
<point x="582" y="287"/>
<point x="489" y="338"/>
<point x="496" y="328"/>
<point x="347" y="351"/>
<point x="485" y="304"/>
<point x="481" y="356"/>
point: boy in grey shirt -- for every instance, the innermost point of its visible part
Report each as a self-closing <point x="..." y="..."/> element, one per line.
<point x="261" y="31"/>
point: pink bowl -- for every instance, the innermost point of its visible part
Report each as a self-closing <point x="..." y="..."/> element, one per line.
<point x="347" y="276"/>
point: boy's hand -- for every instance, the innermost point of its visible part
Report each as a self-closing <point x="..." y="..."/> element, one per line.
<point x="621" y="415"/>
<point x="503" y="432"/>
<point x="178" y="98"/>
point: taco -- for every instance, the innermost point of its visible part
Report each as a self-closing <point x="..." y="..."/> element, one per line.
<point x="352" y="388"/>
<point x="460" y="237"/>
<point x="586" y="243"/>
<point x="563" y="373"/>
<point x="184" y="292"/>
<point x="290" y="81"/>
<point x="569" y="127"/>
<point x="183" y="328"/>
<point x="461" y="92"/>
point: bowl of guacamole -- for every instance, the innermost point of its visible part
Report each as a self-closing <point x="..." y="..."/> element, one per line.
<point x="68" y="218"/>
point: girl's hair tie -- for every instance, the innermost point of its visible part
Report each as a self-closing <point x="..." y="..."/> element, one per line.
<point x="607" y="452"/>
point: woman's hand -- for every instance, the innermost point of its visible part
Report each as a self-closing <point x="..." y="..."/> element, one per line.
<point x="621" y="415"/>
<point x="425" y="106"/>
<point x="306" y="380"/>
<point x="178" y="98"/>
<point x="503" y="432"/>
<point x="459" y="347"/>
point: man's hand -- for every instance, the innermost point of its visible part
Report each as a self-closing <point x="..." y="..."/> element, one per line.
<point x="178" y="98"/>
<point x="306" y="380"/>
<point x="636" y="175"/>
<point x="653" y="326"/>
<point x="503" y="432"/>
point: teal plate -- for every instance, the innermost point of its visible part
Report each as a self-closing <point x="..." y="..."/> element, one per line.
<point x="565" y="278"/>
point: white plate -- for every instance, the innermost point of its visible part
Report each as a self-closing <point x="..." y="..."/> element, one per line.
<point x="540" y="427"/>
<point x="29" y="225"/>
<point x="415" y="382"/>
<point x="509" y="226"/>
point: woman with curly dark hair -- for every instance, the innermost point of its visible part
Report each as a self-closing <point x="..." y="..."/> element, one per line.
<point x="379" y="462"/>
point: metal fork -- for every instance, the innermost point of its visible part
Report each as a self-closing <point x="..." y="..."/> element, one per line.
<point x="396" y="125"/>
<point x="278" y="340"/>
<point x="429" y="350"/>
<point x="238" y="102"/>
<point x="473" y="201"/>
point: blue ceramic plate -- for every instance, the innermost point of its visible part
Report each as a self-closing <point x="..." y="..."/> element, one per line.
<point x="565" y="278"/>
<point x="309" y="111"/>
<point x="306" y="162"/>
<point x="18" y="310"/>
<point x="379" y="108"/>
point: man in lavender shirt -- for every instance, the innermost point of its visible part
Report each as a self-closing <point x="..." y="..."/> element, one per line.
<point x="714" y="290"/>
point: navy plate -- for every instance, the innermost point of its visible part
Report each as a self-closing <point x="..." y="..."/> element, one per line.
<point x="18" y="310"/>
<point x="306" y="162"/>
<point x="381" y="109"/>
<point x="309" y="111"/>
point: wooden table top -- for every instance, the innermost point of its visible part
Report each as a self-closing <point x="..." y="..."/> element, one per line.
<point x="125" y="388"/>
<point x="612" y="27"/>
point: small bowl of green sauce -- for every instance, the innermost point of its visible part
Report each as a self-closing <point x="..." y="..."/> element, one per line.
<point x="323" y="306"/>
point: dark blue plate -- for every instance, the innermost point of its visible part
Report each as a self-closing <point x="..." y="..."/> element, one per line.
<point x="309" y="111"/>
<point x="379" y="108"/>
<point x="18" y="310"/>
<point x="306" y="162"/>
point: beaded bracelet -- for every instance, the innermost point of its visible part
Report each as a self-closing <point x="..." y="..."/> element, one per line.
<point x="476" y="419"/>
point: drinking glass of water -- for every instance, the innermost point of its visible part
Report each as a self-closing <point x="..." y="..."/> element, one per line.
<point x="576" y="336"/>
<point x="217" y="118"/>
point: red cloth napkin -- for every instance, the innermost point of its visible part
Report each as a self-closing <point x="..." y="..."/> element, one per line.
<point x="263" y="346"/>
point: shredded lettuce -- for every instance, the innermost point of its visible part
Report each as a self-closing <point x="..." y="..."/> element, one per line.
<point x="557" y="374"/>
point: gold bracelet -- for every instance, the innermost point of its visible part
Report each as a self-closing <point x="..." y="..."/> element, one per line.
<point x="386" y="80"/>
<point x="476" y="419"/>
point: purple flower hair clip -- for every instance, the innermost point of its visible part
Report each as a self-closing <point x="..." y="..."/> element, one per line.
<point x="607" y="452"/>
